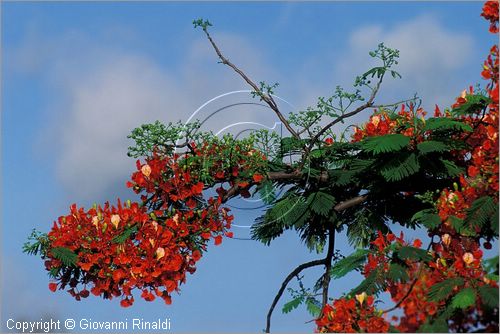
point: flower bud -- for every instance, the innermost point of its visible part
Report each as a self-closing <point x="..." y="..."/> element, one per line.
<point x="146" y="170"/>
<point x="468" y="258"/>
<point x="361" y="297"/>
<point x="115" y="220"/>
<point x="446" y="239"/>
<point x="160" y="252"/>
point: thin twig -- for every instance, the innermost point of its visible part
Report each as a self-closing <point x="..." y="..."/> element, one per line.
<point x="265" y="97"/>
<point x="410" y="289"/>
<point x="362" y="107"/>
<point x="287" y="280"/>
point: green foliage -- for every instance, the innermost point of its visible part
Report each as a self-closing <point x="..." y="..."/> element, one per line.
<point x="264" y="90"/>
<point x="401" y="167"/>
<point x="413" y="253"/>
<point x="313" y="306"/>
<point x="465" y="298"/>
<point x="287" y="212"/>
<point x="363" y="225"/>
<point x="489" y="296"/>
<point x="350" y="170"/>
<point x="37" y="243"/>
<point x="293" y="304"/>
<point x="427" y="218"/>
<point x="267" y="142"/>
<point x="204" y="24"/>
<point x="483" y="210"/>
<point x="491" y="265"/>
<point x="446" y="124"/>
<point x="388" y="57"/>
<point x="372" y="285"/>
<point x="474" y="104"/>
<point x="162" y="138"/>
<point x="432" y="146"/>
<point x="398" y="273"/>
<point x="321" y="203"/>
<point x="452" y="169"/>
<point x="384" y="144"/>
<point x="352" y="262"/>
<point x="66" y="255"/>
<point x="442" y="290"/>
<point x="267" y="192"/>
<point x="439" y="325"/>
<point x="291" y="145"/>
<point x="120" y="239"/>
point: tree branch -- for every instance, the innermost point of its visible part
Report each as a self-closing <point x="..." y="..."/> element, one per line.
<point x="287" y="280"/>
<point x="328" y="266"/>
<point x="410" y="289"/>
<point x="265" y="97"/>
<point x="350" y="203"/>
<point x="359" y="109"/>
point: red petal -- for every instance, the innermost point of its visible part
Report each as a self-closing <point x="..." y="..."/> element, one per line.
<point x="53" y="287"/>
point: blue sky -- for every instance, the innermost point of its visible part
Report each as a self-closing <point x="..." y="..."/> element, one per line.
<point x="77" y="77"/>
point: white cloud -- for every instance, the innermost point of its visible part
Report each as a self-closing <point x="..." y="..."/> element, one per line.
<point x="430" y="57"/>
<point x="100" y="94"/>
<point x="103" y="92"/>
<point x="104" y="105"/>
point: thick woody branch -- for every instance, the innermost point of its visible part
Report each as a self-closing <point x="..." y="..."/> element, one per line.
<point x="328" y="266"/>
<point x="275" y="176"/>
<point x="350" y="203"/>
<point x="267" y="98"/>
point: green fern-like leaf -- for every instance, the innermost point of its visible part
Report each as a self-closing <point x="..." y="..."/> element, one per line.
<point x="398" y="273"/>
<point x="489" y="296"/>
<point x="481" y="212"/>
<point x="267" y="192"/>
<point x="290" y="211"/>
<point x="321" y="203"/>
<point x="474" y="104"/>
<point x="413" y="253"/>
<point x="427" y="218"/>
<point x="491" y="265"/>
<point x="67" y="257"/>
<point x="120" y="239"/>
<point x="54" y="272"/>
<point x="451" y="168"/>
<point x="342" y="177"/>
<point x="384" y="144"/>
<point x="400" y="168"/>
<point x="465" y="298"/>
<point x="372" y="284"/>
<point x="439" y="325"/>
<point x="293" y="304"/>
<point x="442" y="290"/>
<point x="446" y="124"/>
<point x="313" y="306"/>
<point x="431" y="146"/>
<point x="349" y="263"/>
<point x="459" y="226"/>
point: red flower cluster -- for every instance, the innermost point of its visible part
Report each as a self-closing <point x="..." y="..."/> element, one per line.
<point x="407" y="122"/>
<point x="351" y="316"/>
<point x="412" y="299"/>
<point x="148" y="246"/>
<point x="119" y="249"/>
<point x="490" y="12"/>
<point x="456" y="254"/>
<point x="379" y="124"/>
